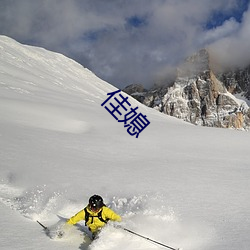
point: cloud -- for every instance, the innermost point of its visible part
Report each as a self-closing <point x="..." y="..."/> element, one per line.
<point x="121" y="41"/>
<point x="233" y="49"/>
<point x="228" y="28"/>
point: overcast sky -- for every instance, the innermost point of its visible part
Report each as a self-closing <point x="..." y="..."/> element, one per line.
<point x="131" y="41"/>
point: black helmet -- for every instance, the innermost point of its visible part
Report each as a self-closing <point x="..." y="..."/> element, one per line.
<point x="96" y="202"/>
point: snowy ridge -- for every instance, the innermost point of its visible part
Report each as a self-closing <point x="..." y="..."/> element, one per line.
<point x="182" y="185"/>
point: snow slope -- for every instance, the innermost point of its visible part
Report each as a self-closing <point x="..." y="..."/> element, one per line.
<point x="179" y="184"/>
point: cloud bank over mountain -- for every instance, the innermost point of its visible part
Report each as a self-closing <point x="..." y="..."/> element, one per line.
<point x="127" y="42"/>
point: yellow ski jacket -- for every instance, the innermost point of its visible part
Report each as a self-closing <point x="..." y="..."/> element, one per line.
<point x="94" y="223"/>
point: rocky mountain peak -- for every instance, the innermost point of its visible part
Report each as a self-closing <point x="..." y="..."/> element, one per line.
<point x="200" y="96"/>
<point x="196" y="64"/>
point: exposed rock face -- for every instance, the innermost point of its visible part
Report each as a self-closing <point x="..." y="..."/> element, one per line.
<point x="137" y="91"/>
<point x="237" y="81"/>
<point x="199" y="97"/>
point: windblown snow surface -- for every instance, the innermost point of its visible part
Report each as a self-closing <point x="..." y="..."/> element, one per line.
<point x="185" y="186"/>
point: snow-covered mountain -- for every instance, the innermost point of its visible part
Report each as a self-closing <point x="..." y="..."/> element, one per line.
<point x="182" y="185"/>
<point x="201" y="96"/>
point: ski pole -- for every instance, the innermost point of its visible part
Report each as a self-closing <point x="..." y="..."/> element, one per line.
<point x="45" y="228"/>
<point x="146" y="238"/>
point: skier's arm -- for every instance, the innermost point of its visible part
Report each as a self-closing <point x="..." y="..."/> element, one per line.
<point x="77" y="217"/>
<point x="110" y="214"/>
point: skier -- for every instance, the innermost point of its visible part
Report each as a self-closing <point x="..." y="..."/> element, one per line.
<point x="95" y="214"/>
